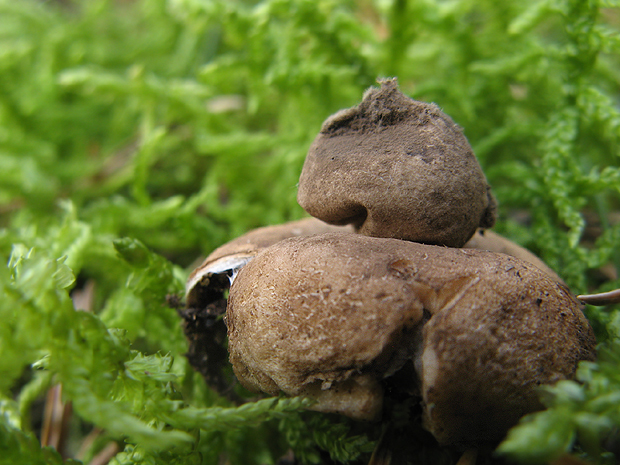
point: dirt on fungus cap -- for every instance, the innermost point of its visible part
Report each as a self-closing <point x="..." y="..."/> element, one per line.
<point x="395" y="167"/>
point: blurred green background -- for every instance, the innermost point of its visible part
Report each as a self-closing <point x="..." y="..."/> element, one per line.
<point x="136" y="136"/>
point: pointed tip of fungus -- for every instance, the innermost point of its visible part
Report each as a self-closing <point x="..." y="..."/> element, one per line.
<point x="380" y="107"/>
<point x="386" y="104"/>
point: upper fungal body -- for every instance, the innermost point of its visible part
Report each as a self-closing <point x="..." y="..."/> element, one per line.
<point x="396" y="167"/>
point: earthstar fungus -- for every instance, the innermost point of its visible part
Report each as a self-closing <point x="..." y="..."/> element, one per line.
<point x="383" y="301"/>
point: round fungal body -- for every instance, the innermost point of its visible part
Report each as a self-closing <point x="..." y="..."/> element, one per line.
<point x="395" y="167"/>
<point x="336" y="316"/>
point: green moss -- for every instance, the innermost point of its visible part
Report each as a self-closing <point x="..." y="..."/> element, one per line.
<point x="137" y="136"/>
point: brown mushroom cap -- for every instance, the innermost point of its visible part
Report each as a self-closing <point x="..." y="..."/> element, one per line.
<point x="332" y="316"/>
<point x="396" y="167"/>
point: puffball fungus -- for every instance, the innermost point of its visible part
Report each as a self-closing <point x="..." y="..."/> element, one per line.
<point x="207" y="285"/>
<point x="351" y="320"/>
<point x="334" y="316"/>
<point x="206" y="300"/>
<point x="396" y="167"/>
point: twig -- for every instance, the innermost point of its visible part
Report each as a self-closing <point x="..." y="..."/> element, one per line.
<point x="55" y="420"/>
<point x="602" y="299"/>
<point x="469" y="457"/>
<point x="105" y="455"/>
<point x="382" y="455"/>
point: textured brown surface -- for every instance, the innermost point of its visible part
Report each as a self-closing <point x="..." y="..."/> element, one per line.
<point x="396" y="167"/>
<point x="249" y="244"/>
<point x="260" y="238"/>
<point x="483" y="357"/>
<point x="301" y="314"/>
<point x="246" y="247"/>
<point x="205" y="301"/>
<point x="493" y="242"/>
<point x="205" y="296"/>
<point x="332" y="315"/>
